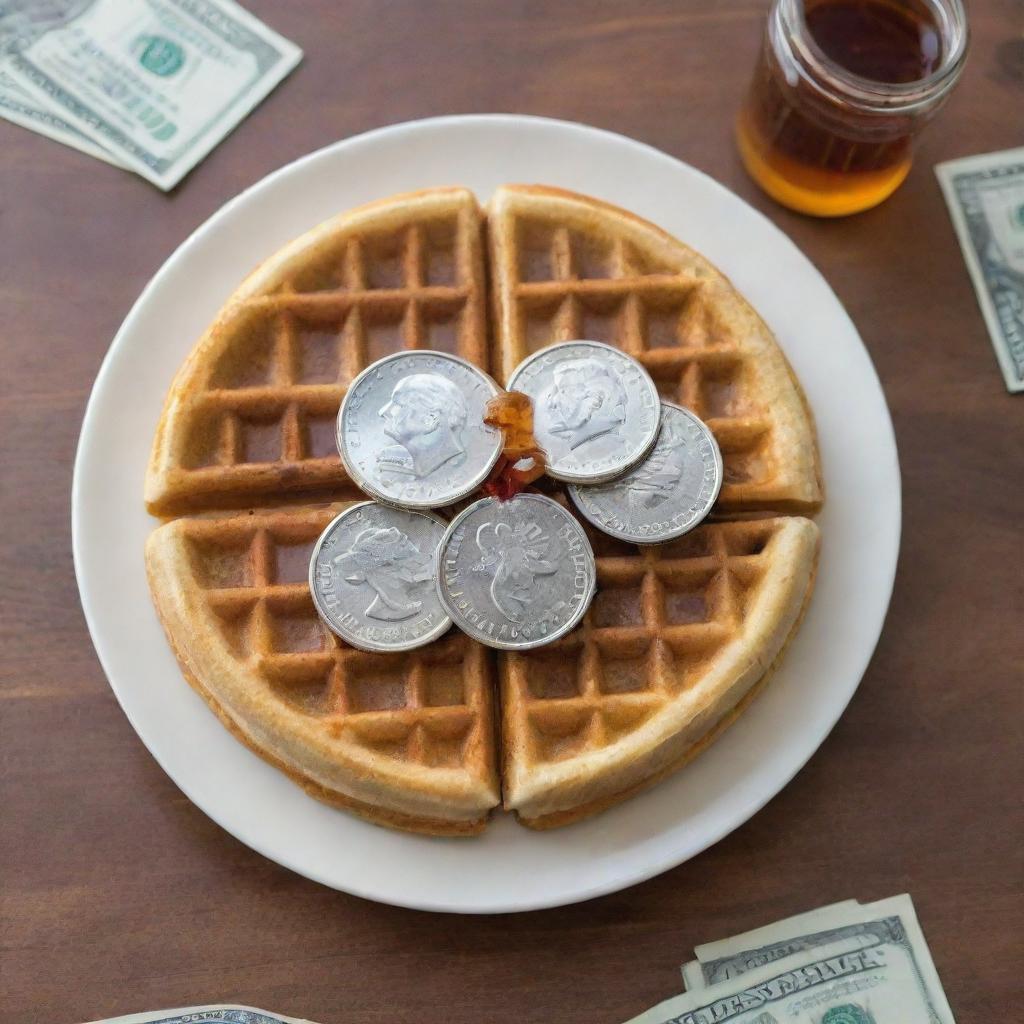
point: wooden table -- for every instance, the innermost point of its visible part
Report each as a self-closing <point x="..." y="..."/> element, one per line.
<point x="119" y="895"/>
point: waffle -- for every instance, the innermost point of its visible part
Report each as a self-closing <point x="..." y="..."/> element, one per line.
<point x="252" y="412"/>
<point x="566" y="266"/>
<point x="675" y="640"/>
<point x="402" y="739"/>
<point x="679" y="635"/>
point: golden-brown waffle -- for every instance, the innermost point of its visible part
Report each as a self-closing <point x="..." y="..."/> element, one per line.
<point x="678" y="636"/>
<point x="252" y="412"/>
<point x="565" y="266"/>
<point x="403" y="739"/>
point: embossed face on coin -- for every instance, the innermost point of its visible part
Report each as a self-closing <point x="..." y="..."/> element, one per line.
<point x="584" y="401"/>
<point x="515" y="574"/>
<point x="426" y="416"/>
<point x="371" y="575"/>
<point x="665" y="495"/>
<point x="411" y="430"/>
<point x="596" y="410"/>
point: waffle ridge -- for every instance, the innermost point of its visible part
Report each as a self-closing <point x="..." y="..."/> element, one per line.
<point x="679" y="608"/>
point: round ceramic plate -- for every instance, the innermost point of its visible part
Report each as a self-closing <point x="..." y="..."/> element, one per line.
<point x="509" y="868"/>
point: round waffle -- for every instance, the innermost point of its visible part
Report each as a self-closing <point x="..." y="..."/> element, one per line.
<point x="245" y="467"/>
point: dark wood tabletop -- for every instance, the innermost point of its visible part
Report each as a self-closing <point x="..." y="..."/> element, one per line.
<point x="118" y="895"/>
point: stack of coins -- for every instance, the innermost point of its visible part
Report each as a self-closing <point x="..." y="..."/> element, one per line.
<point x="388" y="575"/>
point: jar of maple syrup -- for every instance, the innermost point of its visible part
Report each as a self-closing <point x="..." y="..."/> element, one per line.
<point x="839" y="92"/>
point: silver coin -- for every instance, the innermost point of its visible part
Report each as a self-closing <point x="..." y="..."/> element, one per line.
<point x="372" y="577"/>
<point x="515" y="574"/>
<point x="411" y="431"/>
<point x="668" y="493"/>
<point x="595" y="409"/>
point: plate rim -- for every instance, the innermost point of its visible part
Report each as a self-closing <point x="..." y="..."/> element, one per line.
<point x="655" y="865"/>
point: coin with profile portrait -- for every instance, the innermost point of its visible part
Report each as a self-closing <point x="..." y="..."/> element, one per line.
<point x="668" y="493"/>
<point x="595" y="409"/>
<point x="372" y="577"/>
<point x="411" y="429"/>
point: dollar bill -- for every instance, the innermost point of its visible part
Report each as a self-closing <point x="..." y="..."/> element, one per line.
<point x="205" y="1015"/>
<point x="890" y="922"/>
<point x="156" y="84"/>
<point x="800" y="924"/>
<point x="985" y="195"/>
<point x="18" y="107"/>
<point x="868" y="977"/>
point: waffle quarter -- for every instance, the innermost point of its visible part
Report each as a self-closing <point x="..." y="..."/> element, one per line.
<point x="516" y="574"/>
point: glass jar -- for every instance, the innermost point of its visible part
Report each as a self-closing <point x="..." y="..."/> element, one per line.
<point x="839" y="92"/>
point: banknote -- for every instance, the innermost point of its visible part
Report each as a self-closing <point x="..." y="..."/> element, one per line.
<point x="18" y="107"/>
<point x="155" y="83"/>
<point x="870" y="976"/>
<point x="891" y="921"/>
<point x="808" y="923"/>
<point x="985" y="195"/>
<point x="205" y="1015"/>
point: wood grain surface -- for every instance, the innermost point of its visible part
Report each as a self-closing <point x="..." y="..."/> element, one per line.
<point x="118" y="895"/>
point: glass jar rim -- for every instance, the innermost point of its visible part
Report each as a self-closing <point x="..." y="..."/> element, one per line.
<point x="827" y="76"/>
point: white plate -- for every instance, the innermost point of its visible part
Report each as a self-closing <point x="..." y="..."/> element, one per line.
<point x="509" y="868"/>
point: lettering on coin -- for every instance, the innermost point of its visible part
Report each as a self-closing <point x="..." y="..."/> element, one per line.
<point x="597" y="409"/>
<point x="515" y="574"/>
<point x="411" y="429"/>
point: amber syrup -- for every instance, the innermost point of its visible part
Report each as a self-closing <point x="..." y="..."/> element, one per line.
<point x="818" y="155"/>
<point x="522" y="460"/>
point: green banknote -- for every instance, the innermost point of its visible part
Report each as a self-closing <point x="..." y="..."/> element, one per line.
<point x="154" y="84"/>
<point x="216" y="1014"/>
<point x="18" y="107"/>
<point x="985" y="195"/>
<point x="863" y="964"/>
